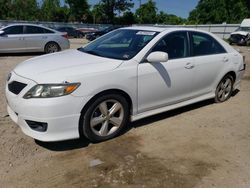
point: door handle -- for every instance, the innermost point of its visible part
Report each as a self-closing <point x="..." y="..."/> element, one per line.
<point x="189" y="66"/>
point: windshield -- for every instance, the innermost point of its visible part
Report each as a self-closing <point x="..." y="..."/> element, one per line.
<point x="120" y="44"/>
<point x="247" y="29"/>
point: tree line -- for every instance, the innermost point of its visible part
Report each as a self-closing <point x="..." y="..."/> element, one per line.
<point x="120" y="12"/>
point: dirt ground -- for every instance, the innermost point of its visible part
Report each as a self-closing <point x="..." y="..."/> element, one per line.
<point x="202" y="145"/>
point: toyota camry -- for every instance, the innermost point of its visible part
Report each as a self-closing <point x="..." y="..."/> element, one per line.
<point x="123" y="76"/>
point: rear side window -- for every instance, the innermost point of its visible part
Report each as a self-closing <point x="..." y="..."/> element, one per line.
<point x="47" y="31"/>
<point x="36" y="30"/>
<point x="14" y="30"/>
<point x="175" y="44"/>
<point x="203" y="44"/>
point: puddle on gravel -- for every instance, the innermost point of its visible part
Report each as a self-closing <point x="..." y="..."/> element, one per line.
<point x="124" y="166"/>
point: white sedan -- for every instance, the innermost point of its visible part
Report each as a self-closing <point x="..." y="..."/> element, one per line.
<point x="17" y="38"/>
<point x="125" y="75"/>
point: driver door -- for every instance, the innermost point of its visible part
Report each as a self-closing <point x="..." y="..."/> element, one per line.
<point x="12" y="40"/>
<point x="165" y="83"/>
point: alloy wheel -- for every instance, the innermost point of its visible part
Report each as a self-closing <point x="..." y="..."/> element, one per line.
<point x="52" y="48"/>
<point x="107" y="118"/>
<point x="225" y="89"/>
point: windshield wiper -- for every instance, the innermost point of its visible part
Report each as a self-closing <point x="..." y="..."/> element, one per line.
<point x="92" y="52"/>
<point x="89" y="51"/>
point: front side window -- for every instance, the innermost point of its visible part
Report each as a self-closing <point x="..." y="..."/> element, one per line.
<point x="13" y="30"/>
<point x="203" y="44"/>
<point x="121" y="44"/>
<point x="175" y="44"/>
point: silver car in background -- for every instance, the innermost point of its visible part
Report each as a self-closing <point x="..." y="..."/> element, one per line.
<point x="31" y="38"/>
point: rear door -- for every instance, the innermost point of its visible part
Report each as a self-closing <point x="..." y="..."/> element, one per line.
<point x="36" y="37"/>
<point x="12" y="40"/>
<point x="209" y="58"/>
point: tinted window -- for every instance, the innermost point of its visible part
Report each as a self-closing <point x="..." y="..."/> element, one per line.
<point x="34" y="30"/>
<point x="175" y="44"/>
<point x="13" y="30"/>
<point x="203" y="44"/>
<point x="47" y="31"/>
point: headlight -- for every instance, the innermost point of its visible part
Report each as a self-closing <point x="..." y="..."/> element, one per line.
<point x="51" y="90"/>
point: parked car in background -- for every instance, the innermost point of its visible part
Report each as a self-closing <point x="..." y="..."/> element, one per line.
<point x="72" y="32"/>
<point x="128" y="74"/>
<point x="242" y="35"/>
<point x="93" y="35"/>
<point x="86" y="30"/>
<point x="31" y="38"/>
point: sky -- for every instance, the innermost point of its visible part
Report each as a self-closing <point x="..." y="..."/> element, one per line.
<point x="178" y="7"/>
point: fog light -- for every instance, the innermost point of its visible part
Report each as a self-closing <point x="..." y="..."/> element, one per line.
<point x="37" y="126"/>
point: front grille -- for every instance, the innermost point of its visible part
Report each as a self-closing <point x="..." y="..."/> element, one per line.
<point x="16" y="87"/>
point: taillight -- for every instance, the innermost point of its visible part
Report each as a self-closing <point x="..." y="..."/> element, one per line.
<point x="65" y="36"/>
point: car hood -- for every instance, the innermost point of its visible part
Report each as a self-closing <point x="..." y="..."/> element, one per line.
<point x="244" y="33"/>
<point x="64" y="66"/>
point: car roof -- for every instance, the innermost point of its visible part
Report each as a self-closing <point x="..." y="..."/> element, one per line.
<point x="162" y="28"/>
<point x="28" y="24"/>
<point x="146" y="28"/>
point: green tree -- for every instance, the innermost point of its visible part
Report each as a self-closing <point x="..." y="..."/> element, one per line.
<point x="79" y="10"/>
<point x="49" y="9"/>
<point x="219" y="11"/>
<point x="61" y="14"/>
<point x="24" y="10"/>
<point x="98" y="13"/>
<point x="109" y="8"/>
<point x="128" y="18"/>
<point x="5" y="9"/>
<point x="169" y="19"/>
<point x="147" y="13"/>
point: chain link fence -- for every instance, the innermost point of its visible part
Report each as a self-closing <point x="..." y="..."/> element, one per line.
<point x="221" y="30"/>
<point x="54" y="25"/>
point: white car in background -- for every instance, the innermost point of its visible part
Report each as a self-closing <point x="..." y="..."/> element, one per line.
<point x="31" y="38"/>
<point x="128" y="74"/>
<point x="242" y="35"/>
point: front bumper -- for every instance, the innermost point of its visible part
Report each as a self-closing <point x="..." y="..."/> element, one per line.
<point x="61" y="114"/>
<point x="64" y="44"/>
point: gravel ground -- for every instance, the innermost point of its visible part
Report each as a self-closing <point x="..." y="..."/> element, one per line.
<point x="202" y="145"/>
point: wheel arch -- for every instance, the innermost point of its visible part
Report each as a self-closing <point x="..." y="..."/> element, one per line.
<point x="52" y="41"/>
<point x="110" y="91"/>
<point x="105" y="92"/>
<point x="231" y="73"/>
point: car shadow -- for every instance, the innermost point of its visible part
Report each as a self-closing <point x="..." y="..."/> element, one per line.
<point x="21" y="54"/>
<point x="171" y="113"/>
<point x="83" y="142"/>
<point x="64" y="145"/>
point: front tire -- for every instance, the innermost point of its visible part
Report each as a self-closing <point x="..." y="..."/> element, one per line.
<point x="105" y="118"/>
<point x="224" y="89"/>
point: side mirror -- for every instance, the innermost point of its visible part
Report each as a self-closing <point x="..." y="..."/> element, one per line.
<point x="1" y="32"/>
<point x="156" y="57"/>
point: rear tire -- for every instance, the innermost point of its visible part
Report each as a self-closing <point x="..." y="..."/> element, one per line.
<point x="224" y="89"/>
<point x="105" y="118"/>
<point x="51" y="47"/>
